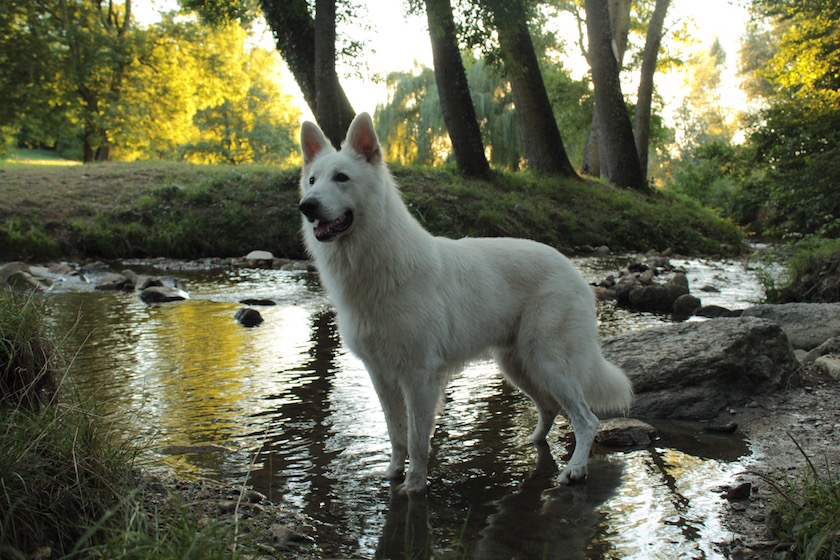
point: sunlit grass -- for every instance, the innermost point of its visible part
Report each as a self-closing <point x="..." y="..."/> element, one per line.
<point x="25" y="158"/>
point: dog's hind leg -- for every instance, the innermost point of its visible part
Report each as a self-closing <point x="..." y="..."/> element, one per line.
<point x="585" y="426"/>
<point x="547" y="407"/>
<point x="393" y="406"/>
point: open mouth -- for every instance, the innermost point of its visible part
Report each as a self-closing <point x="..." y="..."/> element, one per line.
<point x="327" y="231"/>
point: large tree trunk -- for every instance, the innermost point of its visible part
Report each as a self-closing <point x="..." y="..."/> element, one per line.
<point x="641" y="126"/>
<point x="453" y="89"/>
<point x="296" y="36"/>
<point x="594" y="154"/>
<point x="541" y="140"/>
<point x="328" y="91"/>
<point x="615" y="130"/>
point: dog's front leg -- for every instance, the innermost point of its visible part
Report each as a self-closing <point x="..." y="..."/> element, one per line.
<point x="421" y="399"/>
<point x="393" y="406"/>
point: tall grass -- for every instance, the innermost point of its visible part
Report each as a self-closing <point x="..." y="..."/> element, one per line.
<point x="809" y="511"/>
<point x="69" y="486"/>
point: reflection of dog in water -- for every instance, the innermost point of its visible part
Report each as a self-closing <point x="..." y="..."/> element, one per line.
<point x="537" y="520"/>
<point x="415" y="308"/>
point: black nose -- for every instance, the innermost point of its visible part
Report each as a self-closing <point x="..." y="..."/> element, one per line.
<point x="310" y="208"/>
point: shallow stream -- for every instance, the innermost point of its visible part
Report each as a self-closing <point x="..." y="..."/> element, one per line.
<point x="287" y="409"/>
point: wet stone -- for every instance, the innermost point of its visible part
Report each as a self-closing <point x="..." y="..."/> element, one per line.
<point x="626" y="432"/>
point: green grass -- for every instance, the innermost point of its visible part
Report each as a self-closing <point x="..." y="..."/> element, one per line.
<point x="809" y="511"/>
<point x="151" y="209"/>
<point x="810" y="272"/>
<point x="20" y="157"/>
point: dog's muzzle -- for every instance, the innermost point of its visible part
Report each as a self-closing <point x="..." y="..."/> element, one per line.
<point x="325" y="229"/>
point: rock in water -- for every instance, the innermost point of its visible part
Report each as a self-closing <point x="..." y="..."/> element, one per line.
<point x="692" y="371"/>
<point x="162" y="294"/>
<point x="248" y="317"/>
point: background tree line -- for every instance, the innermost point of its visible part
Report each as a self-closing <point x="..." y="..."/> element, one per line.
<point x="80" y="75"/>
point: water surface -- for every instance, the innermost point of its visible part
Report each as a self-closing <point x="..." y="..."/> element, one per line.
<point x="288" y="409"/>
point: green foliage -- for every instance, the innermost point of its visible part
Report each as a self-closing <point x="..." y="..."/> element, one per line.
<point x="108" y="89"/>
<point x="718" y="175"/>
<point x="784" y="179"/>
<point x="561" y="213"/>
<point x="411" y="124"/>
<point x="33" y="242"/>
<point x="225" y="213"/>
<point x="796" y="138"/>
<point x="809" y="510"/>
<point x="811" y="271"/>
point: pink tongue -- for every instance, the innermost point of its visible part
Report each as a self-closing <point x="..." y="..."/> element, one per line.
<point x="323" y="229"/>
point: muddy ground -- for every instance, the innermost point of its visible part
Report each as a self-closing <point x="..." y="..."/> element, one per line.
<point x="805" y="416"/>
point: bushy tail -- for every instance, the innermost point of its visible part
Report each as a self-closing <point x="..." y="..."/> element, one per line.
<point x="609" y="390"/>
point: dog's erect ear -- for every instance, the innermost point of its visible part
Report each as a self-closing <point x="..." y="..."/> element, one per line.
<point x="312" y="141"/>
<point x="362" y="138"/>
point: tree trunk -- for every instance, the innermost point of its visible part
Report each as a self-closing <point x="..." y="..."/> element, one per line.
<point x="594" y="158"/>
<point x="453" y="89"/>
<point x="641" y="126"/>
<point x="616" y="133"/>
<point x="591" y="152"/>
<point x="328" y="91"/>
<point x="541" y="140"/>
<point x="296" y="36"/>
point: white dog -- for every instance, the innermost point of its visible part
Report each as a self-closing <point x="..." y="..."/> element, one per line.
<point x="415" y="308"/>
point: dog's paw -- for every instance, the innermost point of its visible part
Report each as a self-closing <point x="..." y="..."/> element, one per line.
<point x="412" y="486"/>
<point x="572" y="474"/>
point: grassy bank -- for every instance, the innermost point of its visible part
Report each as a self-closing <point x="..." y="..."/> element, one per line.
<point x="149" y="209"/>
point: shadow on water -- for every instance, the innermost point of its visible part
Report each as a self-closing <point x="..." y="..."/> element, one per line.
<point x="287" y="407"/>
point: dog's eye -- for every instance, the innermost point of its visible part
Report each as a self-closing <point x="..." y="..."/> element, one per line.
<point x="312" y="180"/>
<point x="341" y="178"/>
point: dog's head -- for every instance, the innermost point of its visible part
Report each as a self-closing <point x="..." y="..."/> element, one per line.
<point x="333" y="183"/>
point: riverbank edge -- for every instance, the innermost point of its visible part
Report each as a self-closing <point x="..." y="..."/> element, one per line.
<point x="164" y="209"/>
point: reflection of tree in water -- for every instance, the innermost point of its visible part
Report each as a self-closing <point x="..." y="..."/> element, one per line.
<point x="295" y="452"/>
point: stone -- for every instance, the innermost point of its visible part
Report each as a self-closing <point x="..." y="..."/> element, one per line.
<point x="715" y="311"/>
<point x="248" y="317"/>
<point x="829" y="365"/>
<point x="657" y="297"/>
<point x="259" y="256"/>
<point x="739" y="492"/>
<point x="685" y="305"/>
<point x="144" y="282"/>
<point x="807" y="325"/>
<point x="162" y="294"/>
<point x="258" y="301"/>
<point x="114" y="281"/>
<point x="830" y="346"/>
<point x="626" y="432"/>
<point x="22" y="281"/>
<point x="602" y="251"/>
<point x="694" y="370"/>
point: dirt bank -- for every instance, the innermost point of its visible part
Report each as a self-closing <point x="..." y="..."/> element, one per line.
<point x="804" y="416"/>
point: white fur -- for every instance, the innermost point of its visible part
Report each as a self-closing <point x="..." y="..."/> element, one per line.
<point x="415" y="308"/>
